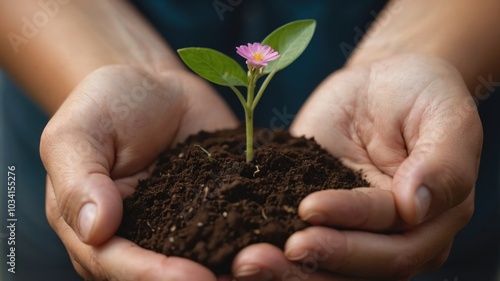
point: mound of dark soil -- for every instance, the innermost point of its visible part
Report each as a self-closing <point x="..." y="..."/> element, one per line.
<point x="209" y="208"/>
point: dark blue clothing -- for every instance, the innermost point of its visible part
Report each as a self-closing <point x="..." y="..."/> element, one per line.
<point x="40" y="255"/>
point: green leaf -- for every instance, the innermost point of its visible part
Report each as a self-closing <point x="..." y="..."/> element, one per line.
<point x="214" y="66"/>
<point x="289" y="41"/>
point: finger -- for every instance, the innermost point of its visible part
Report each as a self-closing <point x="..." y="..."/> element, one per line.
<point x="441" y="169"/>
<point x="127" y="261"/>
<point x="120" y="259"/>
<point x="370" y="209"/>
<point x="384" y="256"/>
<point x="262" y="262"/>
<point x="347" y="252"/>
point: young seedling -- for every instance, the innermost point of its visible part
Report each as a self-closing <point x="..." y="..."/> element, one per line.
<point x="209" y="156"/>
<point x="278" y="50"/>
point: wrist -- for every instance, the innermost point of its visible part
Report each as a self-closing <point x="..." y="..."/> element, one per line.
<point x="458" y="32"/>
<point x="473" y="70"/>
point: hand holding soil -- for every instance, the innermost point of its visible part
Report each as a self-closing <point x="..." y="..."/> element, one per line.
<point x="401" y="121"/>
<point x="100" y="143"/>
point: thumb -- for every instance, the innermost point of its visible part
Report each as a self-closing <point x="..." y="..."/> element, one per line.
<point x="79" y="169"/>
<point x="92" y="207"/>
<point x="441" y="169"/>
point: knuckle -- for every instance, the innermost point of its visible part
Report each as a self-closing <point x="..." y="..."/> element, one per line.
<point x="46" y="138"/>
<point x="93" y="270"/>
<point x="52" y="132"/>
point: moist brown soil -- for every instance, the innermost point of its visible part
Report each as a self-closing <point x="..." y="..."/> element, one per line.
<point x="208" y="210"/>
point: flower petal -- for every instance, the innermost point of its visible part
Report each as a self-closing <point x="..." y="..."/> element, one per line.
<point x="257" y="55"/>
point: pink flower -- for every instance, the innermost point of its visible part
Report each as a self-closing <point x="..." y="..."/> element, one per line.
<point x="257" y="55"/>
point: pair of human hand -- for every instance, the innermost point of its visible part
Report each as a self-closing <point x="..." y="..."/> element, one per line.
<point x="408" y="122"/>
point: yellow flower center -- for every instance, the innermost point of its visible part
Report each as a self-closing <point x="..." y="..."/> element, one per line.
<point x="258" y="56"/>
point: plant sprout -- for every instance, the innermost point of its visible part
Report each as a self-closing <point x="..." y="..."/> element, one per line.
<point x="278" y="50"/>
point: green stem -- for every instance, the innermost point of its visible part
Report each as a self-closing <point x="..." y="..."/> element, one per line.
<point x="249" y="129"/>
<point x="262" y="89"/>
<point x="249" y="115"/>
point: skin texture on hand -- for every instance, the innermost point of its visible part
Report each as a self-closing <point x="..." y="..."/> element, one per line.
<point x="105" y="137"/>
<point x="410" y="124"/>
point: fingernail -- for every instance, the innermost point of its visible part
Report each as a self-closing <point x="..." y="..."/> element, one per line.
<point x="252" y="272"/>
<point x="295" y="255"/>
<point x="86" y="219"/>
<point x="315" y="218"/>
<point x="423" y="201"/>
